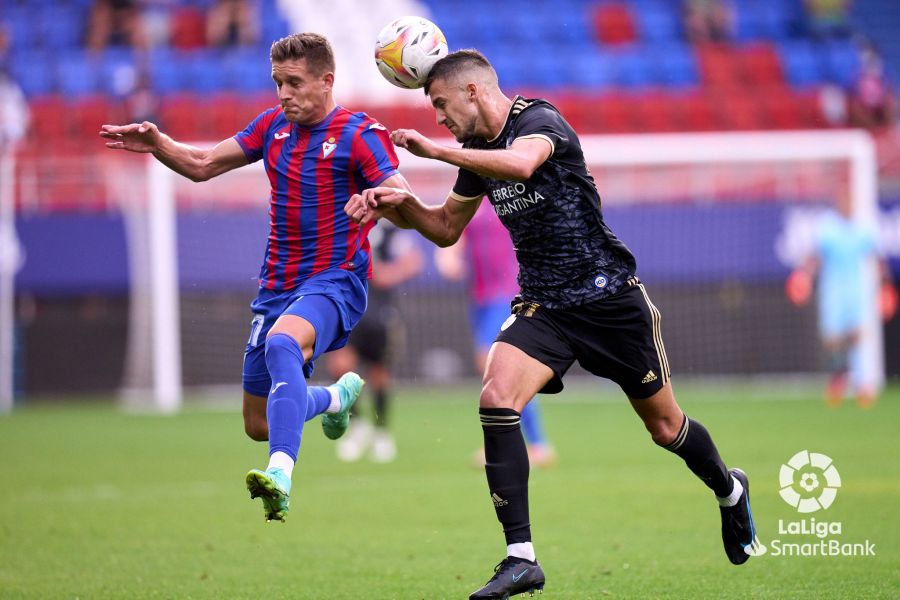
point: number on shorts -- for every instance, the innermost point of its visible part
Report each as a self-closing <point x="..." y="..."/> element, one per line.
<point x="255" y="328"/>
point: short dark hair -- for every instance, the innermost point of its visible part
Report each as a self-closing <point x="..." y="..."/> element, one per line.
<point x="311" y="47"/>
<point x="456" y="62"/>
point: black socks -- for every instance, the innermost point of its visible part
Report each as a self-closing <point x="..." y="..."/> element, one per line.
<point x="694" y="445"/>
<point x="506" y="467"/>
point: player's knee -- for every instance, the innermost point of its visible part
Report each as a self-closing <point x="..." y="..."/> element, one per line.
<point x="495" y="395"/>
<point x="662" y="429"/>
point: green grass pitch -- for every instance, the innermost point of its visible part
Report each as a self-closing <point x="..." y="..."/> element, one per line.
<point x="100" y="504"/>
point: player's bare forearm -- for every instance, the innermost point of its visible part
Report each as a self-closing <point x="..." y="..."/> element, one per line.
<point x="508" y="165"/>
<point x="432" y="222"/>
<point x="186" y="160"/>
<point x="197" y="164"/>
<point x="436" y="223"/>
<point x="200" y="164"/>
<point x="516" y="163"/>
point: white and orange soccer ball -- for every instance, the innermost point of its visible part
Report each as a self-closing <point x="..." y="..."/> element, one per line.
<point x="407" y="48"/>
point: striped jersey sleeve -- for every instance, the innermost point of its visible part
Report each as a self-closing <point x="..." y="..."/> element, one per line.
<point x="253" y="137"/>
<point x="374" y="154"/>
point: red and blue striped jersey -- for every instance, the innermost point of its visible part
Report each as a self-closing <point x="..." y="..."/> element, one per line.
<point x="313" y="172"/>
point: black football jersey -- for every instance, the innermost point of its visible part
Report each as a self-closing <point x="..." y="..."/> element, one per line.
<point x="567" y="255"/>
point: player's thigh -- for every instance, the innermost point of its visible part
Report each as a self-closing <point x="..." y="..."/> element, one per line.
<point x="314" y="322"/>
<point x="535" y="333"/>
<point x="512" y="377"/>
<point x="620" y="338"/>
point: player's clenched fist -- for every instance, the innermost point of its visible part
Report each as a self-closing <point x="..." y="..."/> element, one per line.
<point x="357" y="207"/>
<point x="415" y="142"/>
<point x="136" y="137"/>
<point x="372" y="203"/>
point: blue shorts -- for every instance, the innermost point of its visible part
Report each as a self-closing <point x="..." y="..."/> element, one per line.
<point x="332" y="301"/>
<point x="486" y="319"/>
<point x="842" y="311"/>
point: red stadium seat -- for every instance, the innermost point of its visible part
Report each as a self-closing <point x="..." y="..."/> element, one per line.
<point x="760" y="65"/>
<point x="87" y="114"/>
<point x="694" y="113"/>
<point x="654" y="113"/>
<point x="809" y="111"/>
<point x="719" y="65"/>
<point x="736" y="111"/>
<point x="614" y="24"/>
<point x="780" y="108"/>
<point x="182" y="116"/>
<point x="225" y="117"/>
<point x="48" y="116"/>
<point x="613" y="114"/>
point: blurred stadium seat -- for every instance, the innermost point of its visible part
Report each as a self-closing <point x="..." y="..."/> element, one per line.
<point x="573" y="48"/>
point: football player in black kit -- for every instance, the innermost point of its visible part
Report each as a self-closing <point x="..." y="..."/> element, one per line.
<point x="580" y="297"/>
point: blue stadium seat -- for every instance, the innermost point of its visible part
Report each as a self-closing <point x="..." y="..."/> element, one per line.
<point x="78" y="74"/>
<point x="545" y="71"/>
<point x="203" y="72"/>
<point x="633" y="68"/>
<point x="34" y="72"/>
<point x="801" y="63"/>
<point x="20" y="24"/>
<point x="512" y="72"/>
<point x="61" y="27"/>
<point x="167" y="75"/>
<point x="657" y="21"/>
<point x="841" y="59"/>
<point x="118" y="71"/>
<point x="246" y="71"/>
<point x="674" y="65"/>
<point x="593" y="70"/>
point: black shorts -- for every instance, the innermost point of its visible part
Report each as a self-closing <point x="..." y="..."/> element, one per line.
<point x="618" y="338"/>
<point x="377" y="335"/>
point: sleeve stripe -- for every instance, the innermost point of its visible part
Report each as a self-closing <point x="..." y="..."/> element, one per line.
<point x="540" y="136"/>
<point x="460" y="198"/>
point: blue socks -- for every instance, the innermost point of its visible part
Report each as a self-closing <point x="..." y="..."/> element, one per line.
<point x="319" y="399"/>
<point x="288" y="401"/>
<point x="532" y="425"/>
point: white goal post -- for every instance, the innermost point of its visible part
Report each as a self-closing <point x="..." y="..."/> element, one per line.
<point x="853" y="147"/>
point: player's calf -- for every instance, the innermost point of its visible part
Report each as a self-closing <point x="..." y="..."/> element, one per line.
<point x="695" y="446"/>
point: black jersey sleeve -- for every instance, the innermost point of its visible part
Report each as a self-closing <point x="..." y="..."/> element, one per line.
<point x="468" y="187"/>
<point x="542" y="121"/>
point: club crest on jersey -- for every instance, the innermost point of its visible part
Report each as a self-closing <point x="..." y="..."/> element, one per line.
<point x="328" y="147"/>
<point x="600" y="281"/>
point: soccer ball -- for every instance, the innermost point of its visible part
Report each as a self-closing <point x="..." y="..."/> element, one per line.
<point x="407" y="48"/>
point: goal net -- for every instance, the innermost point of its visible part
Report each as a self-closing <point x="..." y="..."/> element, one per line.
<point x="716" y="221"/>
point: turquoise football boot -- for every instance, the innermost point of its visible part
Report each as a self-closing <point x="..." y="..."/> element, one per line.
<point x="349" y="387"/>
<point x="274" y="487"/>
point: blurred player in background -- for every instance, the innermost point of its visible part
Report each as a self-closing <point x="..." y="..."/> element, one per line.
<point x="484" y="256"/>
<point x="314" y="279"/>
<point x="580" y="298"/>
<point x="397" y="259"/>
<point x="843" y="254"/>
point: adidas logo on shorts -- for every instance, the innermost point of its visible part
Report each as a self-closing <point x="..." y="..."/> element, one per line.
<point x="649" y="377"/>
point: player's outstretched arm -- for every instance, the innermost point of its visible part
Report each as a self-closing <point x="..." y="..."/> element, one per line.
<point x="516" y="163"/>
<point x="197" y="164"/>
<point x="442" y="224"/>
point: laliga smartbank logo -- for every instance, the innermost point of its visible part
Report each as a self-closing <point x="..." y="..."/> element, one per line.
<point x="808" y="483"/>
